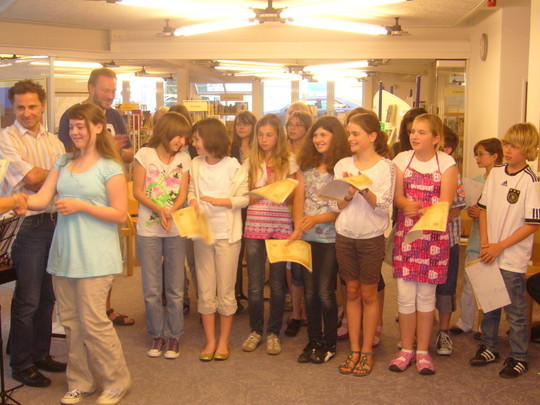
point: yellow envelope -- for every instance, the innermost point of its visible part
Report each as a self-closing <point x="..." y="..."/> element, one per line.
<point x="276" y="192"/>
<point x="433" y="219"/>
<point x="298" y="251"/>
<point x="193" y="226"/>
<point x="336" y="189"/>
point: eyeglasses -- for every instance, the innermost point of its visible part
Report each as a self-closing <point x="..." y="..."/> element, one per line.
<point x="297" y="124"/>
<point x="482" y="154"/>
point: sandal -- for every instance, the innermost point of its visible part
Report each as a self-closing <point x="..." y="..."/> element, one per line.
<point x="363" y="367"/>
<point x="377" y="338"/>
<point x="119" y="319"/>
<point x="349" y="364"/>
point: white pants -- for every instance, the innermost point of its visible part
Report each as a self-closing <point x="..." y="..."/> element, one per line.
<point x="93" y="345"/>
<point x="216" y="267"/>
<point x="414" y="296"/>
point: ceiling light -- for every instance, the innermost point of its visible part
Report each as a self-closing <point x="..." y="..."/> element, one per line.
<point x="212" y="27"/>
<point x="75" y="64"/>
<point x="356" y="28"/>
<point x="335" y="66"/>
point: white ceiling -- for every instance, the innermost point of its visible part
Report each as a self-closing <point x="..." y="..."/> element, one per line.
<point x="424" y="19"/>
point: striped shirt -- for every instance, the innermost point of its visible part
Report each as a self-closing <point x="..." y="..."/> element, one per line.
<point x="25" y="151"/>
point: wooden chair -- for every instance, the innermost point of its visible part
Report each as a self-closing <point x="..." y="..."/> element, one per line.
<point x="533" y="269"/>
<point x="129" y="231"/>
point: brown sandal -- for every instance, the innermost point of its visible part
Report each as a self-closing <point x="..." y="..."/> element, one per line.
<point x="349" y="364"/>
<point x="120" y="319"/>
<point x="364" y="366"/>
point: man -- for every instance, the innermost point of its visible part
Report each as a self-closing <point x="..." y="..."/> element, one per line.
<point x="31" y="152"/>
<point x="102" y="90"/>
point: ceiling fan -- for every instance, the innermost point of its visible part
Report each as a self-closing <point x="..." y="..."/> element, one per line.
<point x="167" y="30"/>
<point x="395" y="30"/>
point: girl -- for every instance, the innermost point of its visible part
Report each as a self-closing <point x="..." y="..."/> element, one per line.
<point x="242" y="139"/>
<point x="360" y="246"/>
<point x="218" y="188"/>
<point x="326" y="143"/>
<point x="160" y="180"/>
<point x="269" y="161"/>
<point x="85" y="253"/>
<point x="424" y="176"/>
<point x="243" y="134"/>
<point x="488" y="154"/>
<point x="298" y="125"/>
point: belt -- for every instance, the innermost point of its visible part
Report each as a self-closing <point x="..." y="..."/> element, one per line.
<point x="46" y="215"/>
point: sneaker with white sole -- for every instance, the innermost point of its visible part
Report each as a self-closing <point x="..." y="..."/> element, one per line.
<point x="172" y="351"/>
<point x="74" y="396"/>
<point x="252" y="342"/>
<point x="307" y="351"/>
<point x="158" y="344"/>
<point x="111" y="396"/>
<point x="484" y="356"/>
<point x="323" y="352"/>
<point x="445" y="347"/>
<point x="273" y="346"/>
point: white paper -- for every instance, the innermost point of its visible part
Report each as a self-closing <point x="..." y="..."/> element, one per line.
<point x="473" y="190"/>
<point x="488" y="285"/>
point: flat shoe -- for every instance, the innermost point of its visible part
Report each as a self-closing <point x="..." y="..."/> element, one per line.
<point x="221" y="356"/>
<point x="206" y="356"/>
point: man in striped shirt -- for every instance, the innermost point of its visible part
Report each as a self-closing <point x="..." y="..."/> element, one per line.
<point x="31" y="152"/>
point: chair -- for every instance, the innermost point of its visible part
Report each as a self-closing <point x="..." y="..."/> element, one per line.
<point x="533" y="269"/>
<point x="129" y="231"/>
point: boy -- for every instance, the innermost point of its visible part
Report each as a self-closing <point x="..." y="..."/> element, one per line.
<point x="510" y="214"/>
<point x="445" y="293"/>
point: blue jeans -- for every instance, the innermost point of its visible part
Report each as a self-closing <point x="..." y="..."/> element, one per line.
<point x="256" y="260"/>
<point x="162" y="268"/>
<point x="320" y="293"/>
<point x="516" y="313"/>
<point x="33" y="298"/>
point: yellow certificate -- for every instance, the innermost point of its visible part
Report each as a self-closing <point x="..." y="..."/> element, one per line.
<point x="193" y="226"/>
<point x="433" y="219"/>
<point x="336" y="189"/>
<point x="276" y="192"/>
<point x="298" y="251"/>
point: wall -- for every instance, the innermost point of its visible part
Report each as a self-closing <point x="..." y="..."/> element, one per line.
<point x="494" y="95"/>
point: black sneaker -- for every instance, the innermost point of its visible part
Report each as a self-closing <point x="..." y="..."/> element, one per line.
<point x="513" y="368"/>
<point x="484" y="356"/>
<point x="305" y="355"/>
<point x="293" y="327"/>
<point x="323" y="352"/>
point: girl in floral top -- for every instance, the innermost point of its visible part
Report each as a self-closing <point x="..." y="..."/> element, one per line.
<point x="160" y="183"/>
<point x="326" y="143"/>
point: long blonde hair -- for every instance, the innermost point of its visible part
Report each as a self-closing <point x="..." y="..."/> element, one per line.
<point x="281" y="152"/>
<point x="91" y="113"/>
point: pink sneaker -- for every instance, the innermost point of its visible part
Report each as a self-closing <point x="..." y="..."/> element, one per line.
<point x="401" y="362"/>
<point x="424" y="364"/>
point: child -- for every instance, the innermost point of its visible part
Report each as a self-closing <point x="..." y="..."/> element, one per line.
<point x="242" y="139"/>
<point x="509" y="216"/>
<point x="488" y="153"/>
<point x="314" y="218"/>
<point x="85" y="253"/>
<point x="269" y="161"/>
<point x="360" y="235"/>
<point x="218" y="187"/>
<point x="297" y="125"/>
<point x="424" y="176"/>
<point x="445" y="293"/>
<point x="160" y="180"/>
